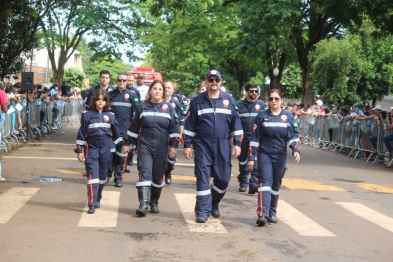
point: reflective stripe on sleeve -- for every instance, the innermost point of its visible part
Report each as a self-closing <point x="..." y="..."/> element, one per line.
<point x="80" y="142"/>
<point x="174" y="135"/>
<point x="121" y="154"/>
<point x="96" y="125"/>
<point x="254" y="144"/>
<point x="171" y="161"/>
<point x="113" y="150"/>
<point x="189" y="133"/>
<point x="276" y="193"/>
<point x="118" y="140"/>
<point x="265" y="188"/>
<point x="237" y="133"/>
<point x="120" y="104"/>
<point x="132" y="134"/>
<point x="93" y="181"/>
<point x="293" y="140"/>
<point x="143" y="183"/>
<point x="203" y="193"/>
<point x="102" y="182"/>
<point x="219" y="190"/>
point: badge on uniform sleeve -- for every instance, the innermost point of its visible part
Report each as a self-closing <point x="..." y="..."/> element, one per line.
<point x="226" y="103"/>
<point x="106" y="118"/>
<point x="173" y="105"/>
<point x="126" y="97"/>
<point x="164" y="107"/>
<point x="284" y="118"/>
<point x="257" y="107"/>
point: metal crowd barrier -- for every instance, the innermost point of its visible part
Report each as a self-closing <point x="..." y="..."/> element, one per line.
<point x="351" y="138"/>
<point x="40" y="119"/>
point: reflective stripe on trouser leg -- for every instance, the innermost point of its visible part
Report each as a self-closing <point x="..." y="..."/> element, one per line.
<point x="159" y="166"/>
<point x="278" y="174"/>
<point x="119" y="158"/>
<point x="105" y="151"/>
<point x="170" y="163"/>
<point x="93" y="182"/>
<point x="203" y="205"/>
<point x="218" y="191"/>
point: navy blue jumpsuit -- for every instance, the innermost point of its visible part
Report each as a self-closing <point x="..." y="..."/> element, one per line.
<point x="209" y="125"/>
<point x="123" y="106"/>
<point x="154" y="128"/>
<point x="247" y="112"/>
<point x="270" y="137"/>
<point x="178" y="110"/>
<point x="94" y="138"/>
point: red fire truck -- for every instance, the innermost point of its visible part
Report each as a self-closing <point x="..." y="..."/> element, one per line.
<point x="149" y="73"/>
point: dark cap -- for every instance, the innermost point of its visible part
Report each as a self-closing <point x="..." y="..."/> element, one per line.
<point x="213" y="73"/>
<point x="141" y="76"/>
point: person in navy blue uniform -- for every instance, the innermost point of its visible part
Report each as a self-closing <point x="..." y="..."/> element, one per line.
<point x="122" y="102"/>
<point x="273" y="130"/>
<point x="212" y="120"/>
<point x="105" y="78"/>
<point x="180" y="98"/>
<point x="248" y="110"/>
<point x="155" y="127"/>
<point x="138" y="100"/>
<point x="94" y="140"/>
<point x="169" y="89"/>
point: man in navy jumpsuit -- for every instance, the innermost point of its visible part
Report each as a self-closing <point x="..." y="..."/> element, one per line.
<point x="94" y="138"/>
<point x="169" y="89"/>
<point x="248" y="110"/>
<point x="211" y="121"/>
<point x="122" y="102"/>
<point x="105" y="78"/>
<point x="132" y="88"/>
<point x="270" y="137"/>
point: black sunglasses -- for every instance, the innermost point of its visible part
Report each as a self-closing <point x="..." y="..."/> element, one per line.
<point x="253" y="91"/>
<point x="121" y="80"/>
<point x="274" y="98"/>
<point x="211" y="80"/>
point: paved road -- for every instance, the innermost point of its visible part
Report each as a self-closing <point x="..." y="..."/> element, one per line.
<point x="331" y="208"/>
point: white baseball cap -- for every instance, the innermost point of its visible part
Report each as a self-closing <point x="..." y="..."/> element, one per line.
<point x="377" y="107"/>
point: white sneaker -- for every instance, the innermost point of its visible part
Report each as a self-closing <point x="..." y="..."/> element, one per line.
<point x="2" y="179"/>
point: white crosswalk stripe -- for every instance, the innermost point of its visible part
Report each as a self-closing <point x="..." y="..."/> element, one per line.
<point x="302" y="224"/>
<point x="368" y="214"/>
<point x="187" y="204"/>
<point x="13" y="200"/>
<point x="106" y="215"/>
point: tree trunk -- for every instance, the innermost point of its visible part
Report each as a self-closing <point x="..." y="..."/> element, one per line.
<point x="308" y="94"/>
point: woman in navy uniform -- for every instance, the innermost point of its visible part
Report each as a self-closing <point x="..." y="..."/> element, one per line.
<point x="273" y="129"/>
<point x="95" y="135"/>
<point x="155" y="127"/>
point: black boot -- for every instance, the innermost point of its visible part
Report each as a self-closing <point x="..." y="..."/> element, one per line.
<point x="143" y="196"/>
<point x="168" y="177"/>
<point x="130" y="162"/>
<point x="155" y="195"/>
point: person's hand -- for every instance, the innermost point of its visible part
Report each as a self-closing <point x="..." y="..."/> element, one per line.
<point x="172" y="152"/>
<point x="250" y="164"/>
<point x="125" y="149"/>
<point x="80" y="157"/>
<point x="231" y="141"/>
<point x="187" y="152"/>
<point x="297" y="157"/>
<point x="236" y="151"/>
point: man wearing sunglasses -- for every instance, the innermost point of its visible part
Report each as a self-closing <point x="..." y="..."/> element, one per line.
<point x="122" y="102"/>
<point x="105" y="78"/>
<point x="248" y="110"/>
<point x="140" y="85"/>
<point x="211" y="121"/>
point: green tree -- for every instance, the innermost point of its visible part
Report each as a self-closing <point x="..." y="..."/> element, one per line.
<point x="73" y="77"/>
<point x="19" y="24"/>
<point x="114" y="66"/>
<point x="110" y="21"/>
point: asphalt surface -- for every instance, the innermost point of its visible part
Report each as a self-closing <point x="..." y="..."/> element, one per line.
<point x="332" y="208"/>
